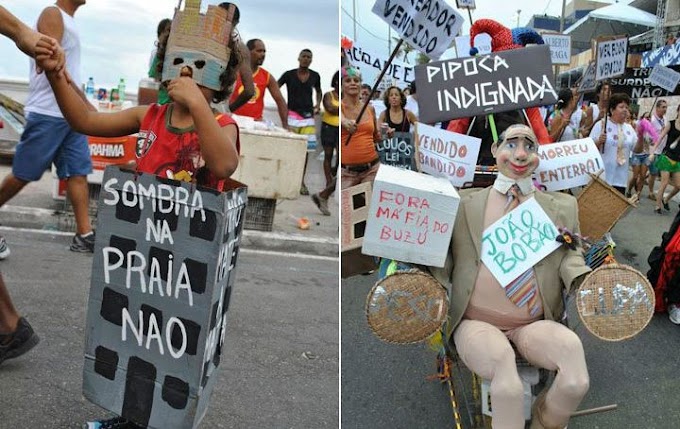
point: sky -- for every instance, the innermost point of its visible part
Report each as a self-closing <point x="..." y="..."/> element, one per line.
<point x="117" y="36"/>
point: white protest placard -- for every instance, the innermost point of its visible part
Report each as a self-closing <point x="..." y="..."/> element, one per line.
<point x="560" y="47"/>
<point x="371" y="64"/>
<point x="588" y="82"/>
<point x="465" y="4"/>
<point x="565" y="165"/>
<point x="429" y="27"/>
<point x="611" y="58"/>
<point x="664" y="77"/>
<point x="482" y="43"/>
<point x="411" y="217"/>
<point x="446" y="154"/>
<point x="517" y="241"/>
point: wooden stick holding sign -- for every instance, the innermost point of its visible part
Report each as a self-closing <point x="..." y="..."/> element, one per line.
<point x="375" y="86"/>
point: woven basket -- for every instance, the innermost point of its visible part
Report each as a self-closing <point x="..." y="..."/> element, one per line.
<point x="615" y="302"/>
<point x="600" y="206"/>
<point x="406" y="307"/>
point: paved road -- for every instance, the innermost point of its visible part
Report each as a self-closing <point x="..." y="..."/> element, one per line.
<point x="384" y="385"/>
<point x="281" y="364"/>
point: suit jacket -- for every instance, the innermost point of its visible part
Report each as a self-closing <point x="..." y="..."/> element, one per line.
<point x="557" y="270"/>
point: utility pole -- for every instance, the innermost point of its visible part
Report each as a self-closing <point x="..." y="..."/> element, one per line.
<point x="564" y="6"/>
<point x="518" y="12"/>
<point x="354" y="18"/>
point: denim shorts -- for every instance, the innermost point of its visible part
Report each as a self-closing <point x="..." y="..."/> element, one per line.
<point x="652" y="166"/>
<point x="638" y="159"/>
<point x="48" y="140"/>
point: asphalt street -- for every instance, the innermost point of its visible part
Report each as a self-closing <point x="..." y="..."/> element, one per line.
<point x="385" y="385"/>
<point x="280" y="369"/>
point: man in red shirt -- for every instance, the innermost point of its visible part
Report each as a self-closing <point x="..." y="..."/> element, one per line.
<point x="263" y="80"/>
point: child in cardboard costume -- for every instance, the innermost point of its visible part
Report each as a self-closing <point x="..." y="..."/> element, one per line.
<point x="485" y="321"/>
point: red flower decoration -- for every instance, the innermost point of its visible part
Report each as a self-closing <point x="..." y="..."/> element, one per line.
<point x="346" y="42"/>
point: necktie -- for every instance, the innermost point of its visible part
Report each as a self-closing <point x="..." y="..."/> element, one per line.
<point x="523" y="290"/>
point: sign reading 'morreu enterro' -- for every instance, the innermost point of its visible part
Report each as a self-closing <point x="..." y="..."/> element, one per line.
<point x="498" y="82"/>
<point x="162" y="277"/>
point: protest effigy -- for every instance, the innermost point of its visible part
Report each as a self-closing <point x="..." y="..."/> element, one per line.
<point x="446" y="154"/>
<point x="565" y="165"/>
<point x="162" y="278"/>
<point x="398" y="151"/>
<point x="410" y="217"/>
<point x="499" y="82"/>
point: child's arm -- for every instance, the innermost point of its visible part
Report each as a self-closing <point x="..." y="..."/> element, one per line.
<point x="79" y="116"/>
<point x="218" y="144"/>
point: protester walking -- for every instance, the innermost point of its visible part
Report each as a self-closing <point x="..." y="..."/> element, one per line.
<point x="668" y="162"/>
<point x="47" y="137"/>
<point x="329" y="140"/>
<point x="647" y="135"/>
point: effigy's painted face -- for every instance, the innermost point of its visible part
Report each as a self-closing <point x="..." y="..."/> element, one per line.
<point x="517" y="154"/>
<point x="201" y="67"/>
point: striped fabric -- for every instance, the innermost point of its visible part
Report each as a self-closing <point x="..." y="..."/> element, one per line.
<point x="523" y="290"/>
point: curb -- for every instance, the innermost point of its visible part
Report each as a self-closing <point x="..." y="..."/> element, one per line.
<point x="55" y="220"/>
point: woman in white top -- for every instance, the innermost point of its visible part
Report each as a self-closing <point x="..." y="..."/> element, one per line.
<point x="615" y="141"/>
<point x="565" y="121"/>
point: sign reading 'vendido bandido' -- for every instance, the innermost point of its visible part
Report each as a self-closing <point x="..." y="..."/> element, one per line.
<point x="429" y="26"/>
<point x="611" y="58"/>
<point x="501" y="81"/>
<point x="446" y="154"/>
<point x="162" y="276"/>
<point x="410" y="217"/>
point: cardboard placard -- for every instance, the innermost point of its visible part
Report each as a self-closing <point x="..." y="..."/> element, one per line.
<point x="372" y="62"/>
<point x="411" y="217"/>
<point x="429" y="27"/>
<point x="664" y="77"/>
<point x="398" y="151"/>
<point x="162" y="276"/>
<point x="588" y="82"/>
<point x="517" y="241"/>
<point x="465" y="4"/>
<point x="560" y="47"/>
<point x="446" y="154"/>
<point x="499" y="82"/>
<point x="611" y="56"/>
<point x="482" y="43"/>
<point x="565" y="165"/>
<point x="354" y="203"/>
<point x="635" y="82"/>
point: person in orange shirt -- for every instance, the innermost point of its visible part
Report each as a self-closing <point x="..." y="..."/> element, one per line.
<point x="263" y="80"/>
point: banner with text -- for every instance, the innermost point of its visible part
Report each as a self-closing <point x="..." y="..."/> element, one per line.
<point x="588" y="82"/>
<point x="398" y="151"/>
<point x="429" y="27"/>
<point x="411" y="217"/>
<point x="517" y="241"/>
<point x="664" y="77"/>
<point x="162" y="277"/>
<point x="499" y="82"/>
<point x="560" y="47"/>
<point x="371" y="64"/>
<point x="565" y="165"/>
<point x="635" y="82"/>
<point x="611" y="58"/>
<point x="446" y="154"/>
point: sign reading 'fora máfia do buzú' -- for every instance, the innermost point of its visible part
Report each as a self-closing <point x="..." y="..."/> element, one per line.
<point x="498" y="82"/>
